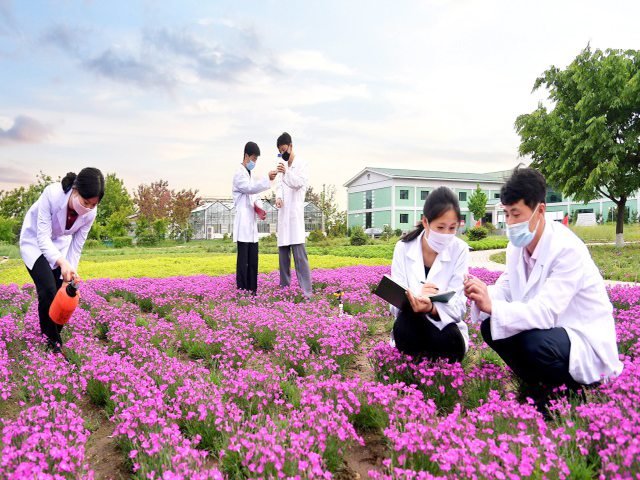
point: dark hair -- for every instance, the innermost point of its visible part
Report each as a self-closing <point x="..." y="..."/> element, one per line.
<point x="526" y="184"/>
<point x="438" y="202"/>
<point x="284" y="139"/>
<point x="251" y="148"/>
<point x="89" y="182"/>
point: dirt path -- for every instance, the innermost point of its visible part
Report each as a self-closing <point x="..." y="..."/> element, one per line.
<point x="104" y="457"/>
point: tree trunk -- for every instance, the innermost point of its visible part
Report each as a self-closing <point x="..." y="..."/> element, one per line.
<point x="620" y="222"/>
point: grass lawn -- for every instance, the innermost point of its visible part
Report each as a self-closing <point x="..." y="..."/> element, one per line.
<point x="171" y="265"/>
<point x="614" y="263"/>
<point x="606" y="233"/>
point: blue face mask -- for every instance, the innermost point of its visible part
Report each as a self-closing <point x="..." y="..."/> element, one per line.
<point x="519" y="234"/>
<point x="251" y="165"/>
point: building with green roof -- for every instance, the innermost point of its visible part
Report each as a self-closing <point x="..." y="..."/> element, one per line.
<point x="391" y="196"/>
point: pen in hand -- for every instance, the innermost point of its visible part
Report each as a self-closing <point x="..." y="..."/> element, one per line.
<point x="422" y="282"/>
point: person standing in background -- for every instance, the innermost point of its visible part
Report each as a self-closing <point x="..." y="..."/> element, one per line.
<point x="290" y="192"/>
<point x="245" y="227"/>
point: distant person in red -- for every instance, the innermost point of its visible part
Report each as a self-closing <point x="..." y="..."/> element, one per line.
<point x="245" y="227"/>
<point x="53" y="235"/>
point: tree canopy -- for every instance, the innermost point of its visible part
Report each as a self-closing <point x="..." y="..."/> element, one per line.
<point x="588" y="144"/>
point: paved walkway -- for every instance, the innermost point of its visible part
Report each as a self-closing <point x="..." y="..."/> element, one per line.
<point x="481" y="259"/>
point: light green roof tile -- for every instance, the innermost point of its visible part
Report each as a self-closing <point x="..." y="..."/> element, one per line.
<point x="404" y="173"/>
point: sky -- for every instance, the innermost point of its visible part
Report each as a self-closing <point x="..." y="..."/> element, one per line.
<point x="153" y="90"/>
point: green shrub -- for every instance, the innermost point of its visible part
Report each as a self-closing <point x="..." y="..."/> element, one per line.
<point x="120" y="242"/>
<point x="92" y="243"/>
<point x="7" y="227"/>
<point x="397" y="232"/>
<point x="477" y="233"/>
<point x="316" y="236"/>
<point x="489" y="243"/>
<point x="358" y="237"/>
<point x="491" y="228"/>
<point x="147" y="238"/>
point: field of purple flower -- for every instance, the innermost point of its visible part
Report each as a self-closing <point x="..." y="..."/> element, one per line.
<point x="187" y="378"/>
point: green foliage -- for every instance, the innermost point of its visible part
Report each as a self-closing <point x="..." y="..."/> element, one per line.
<point x="477" y="233"/>
<point x="116" y="200"/>
<point x="489" y="243"/>
<point x="160" y="226"/>
<point x="358" y="237"/>
<point x="477" y="203"/>
<point x="588" y="143"/>
<point x="7" y="229"/>
<point x="117" y="224"/>
<point x="97" y="232"/>
<point x="316" y="236"/>
<point x="397" y="232"/>
<point x="147" y="239"/>
<point x="92" y="243"/>
<point x="386" y="233"/>
<point x="491" y="228"/>
<point x="15" y="203"/>
<point x="121" y="242"/>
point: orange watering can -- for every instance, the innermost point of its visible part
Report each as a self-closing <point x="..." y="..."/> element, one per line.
<point x="65" y="302"/>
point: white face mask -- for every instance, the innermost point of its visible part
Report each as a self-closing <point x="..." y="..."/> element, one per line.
<point x="78" y="207"/>
<point x="519" y="234"/>
<point x="438" y="242"/>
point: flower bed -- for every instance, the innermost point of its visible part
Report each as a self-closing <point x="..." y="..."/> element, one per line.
<point x="199" y="380"/>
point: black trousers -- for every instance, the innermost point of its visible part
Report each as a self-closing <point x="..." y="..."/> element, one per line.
<point x="538" y="357"/>
<point x="247" y="266"/>
<point x="47" y="283"/>
<point x="415" y="335"/>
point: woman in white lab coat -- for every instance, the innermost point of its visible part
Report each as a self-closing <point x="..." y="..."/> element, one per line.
<point x="548" y="316"/>
<point x="428" y="260"/>
<point x="52" y="237"/>
<point x="245" y="227"/>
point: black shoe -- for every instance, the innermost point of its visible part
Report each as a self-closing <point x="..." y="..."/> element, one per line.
<point x="53" y="347"/>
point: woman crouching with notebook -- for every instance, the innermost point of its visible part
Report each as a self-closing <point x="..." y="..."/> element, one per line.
<point x="430" y="259"/>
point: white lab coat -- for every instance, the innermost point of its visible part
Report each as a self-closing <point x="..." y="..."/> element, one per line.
<point x="44" y="229"/>
<point x="447" y="273"/>
<point x="291" y="188"/>
<point x="245" y="195"/>
<point x="565" y="289"/>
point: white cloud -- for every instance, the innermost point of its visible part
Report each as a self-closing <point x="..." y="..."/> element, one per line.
<point x="313" y="61"/>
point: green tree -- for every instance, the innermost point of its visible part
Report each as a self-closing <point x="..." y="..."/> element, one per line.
<point x="117" y="224"/>
<point x="160" y="228"/>
<point x="7" y="233"/>
<point x="478" y="203"/>
<point x="588" y="144"/>
<point x="335" y="220"/>
<point x="116" y="199"/>
<point x="15" y="203"/>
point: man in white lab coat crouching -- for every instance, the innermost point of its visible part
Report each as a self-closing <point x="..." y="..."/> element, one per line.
<point x="548" y="316"/>
<point x="291" y="187"/>
<point x="245" y="226"/>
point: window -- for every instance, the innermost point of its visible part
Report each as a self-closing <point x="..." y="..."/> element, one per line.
<point x="368" y="203"/>
<point x="424" y="194"/>
<point x="367" y="220"/>
<point x="404" y="194"/>
<point x="496" y="195"/>
<point x="553" y="196"/>
<point x="462" y="196"/>
<point x="404" y="218"/>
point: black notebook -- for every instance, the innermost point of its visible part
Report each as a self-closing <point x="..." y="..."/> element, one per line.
<point x="394" y="293"/>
